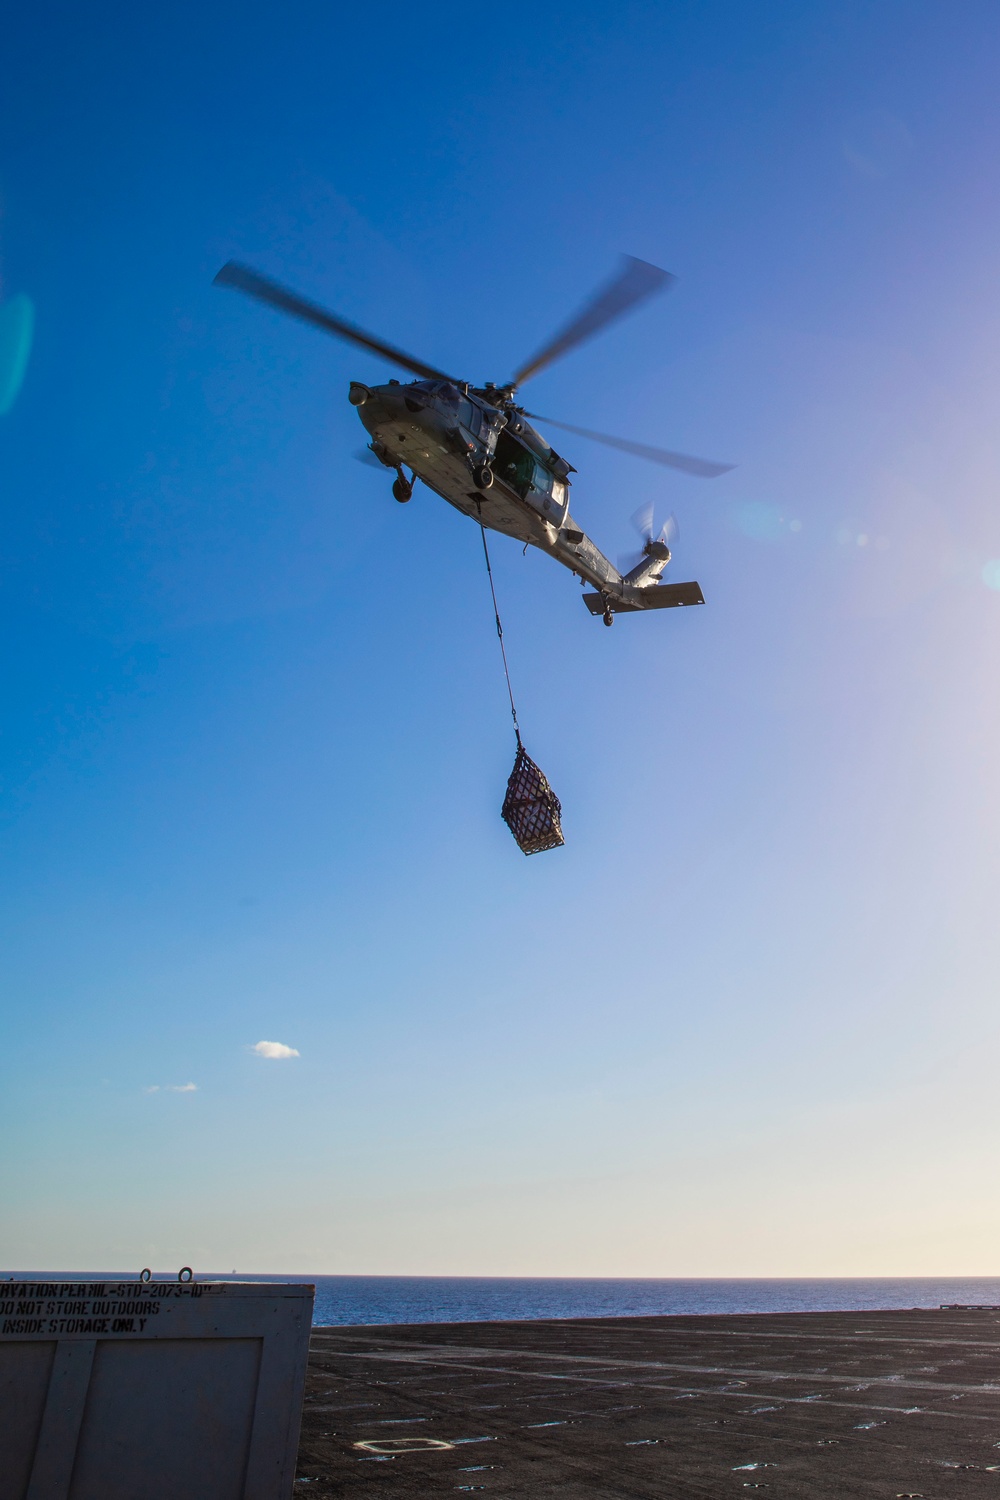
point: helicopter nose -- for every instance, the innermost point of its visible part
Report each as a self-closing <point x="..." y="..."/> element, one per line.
<point x="358" y="393"/>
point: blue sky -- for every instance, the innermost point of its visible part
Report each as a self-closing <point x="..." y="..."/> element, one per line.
<point x="255" y="735"/>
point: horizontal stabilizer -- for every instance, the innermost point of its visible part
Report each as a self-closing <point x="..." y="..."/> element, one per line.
<point x="658" y="596"/>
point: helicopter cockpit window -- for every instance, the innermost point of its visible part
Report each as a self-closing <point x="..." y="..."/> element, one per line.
<point x="448" y="393"/>
<point x="542" y="481"/>
<point x="468" y="416"/>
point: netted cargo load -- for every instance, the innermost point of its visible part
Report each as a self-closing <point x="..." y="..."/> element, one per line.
<point x="531" y="808"/>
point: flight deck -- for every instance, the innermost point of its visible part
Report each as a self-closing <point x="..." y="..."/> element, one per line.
<point x="886" y="1404"/>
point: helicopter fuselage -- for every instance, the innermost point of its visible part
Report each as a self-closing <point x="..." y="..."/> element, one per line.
<point x="487" y="461"/>
<point x="477" y="449"/>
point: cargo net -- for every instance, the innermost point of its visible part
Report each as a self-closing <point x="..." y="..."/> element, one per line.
<point x="531" y="808"/>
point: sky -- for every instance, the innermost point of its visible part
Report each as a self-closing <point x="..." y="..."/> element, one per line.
<point x="279" y="991"/>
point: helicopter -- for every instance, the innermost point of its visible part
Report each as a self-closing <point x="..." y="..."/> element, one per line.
<point x="475" y="447"/>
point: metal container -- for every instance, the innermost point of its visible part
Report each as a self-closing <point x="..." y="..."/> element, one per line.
<point x="151" y="1390"/>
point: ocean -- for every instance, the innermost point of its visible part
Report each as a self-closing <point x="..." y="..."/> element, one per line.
<point x="347" y="1300"/>
<point x="474" y="1299"/>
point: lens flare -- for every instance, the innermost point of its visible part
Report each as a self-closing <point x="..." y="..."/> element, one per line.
<point x="759" y="520"/>
<point x="17" y="328"/>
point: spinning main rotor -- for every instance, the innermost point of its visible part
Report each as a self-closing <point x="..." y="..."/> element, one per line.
<point x="635" y="282"/>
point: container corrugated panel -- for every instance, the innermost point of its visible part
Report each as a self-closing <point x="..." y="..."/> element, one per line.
<point x="116" y="1390"/>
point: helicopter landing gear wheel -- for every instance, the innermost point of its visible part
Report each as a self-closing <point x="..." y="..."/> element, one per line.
<point x="483" y="477"/>
<point x="402" y="489"/>
<point x="609" y="618"/>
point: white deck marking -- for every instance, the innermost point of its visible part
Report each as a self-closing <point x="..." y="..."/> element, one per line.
<point x="408" y="1353"/>
<point x="821" y="1402"/>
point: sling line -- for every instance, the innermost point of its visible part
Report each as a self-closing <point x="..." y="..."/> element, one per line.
<point x="496" y="616"/>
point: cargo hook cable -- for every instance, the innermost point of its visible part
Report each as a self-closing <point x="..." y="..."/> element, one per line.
<point x="496" y="616"/>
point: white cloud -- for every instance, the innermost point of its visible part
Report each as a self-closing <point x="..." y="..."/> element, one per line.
<point x="273" y="1049"/>
<point x="172" y="1088"/>
<point x="154" y="1088"/>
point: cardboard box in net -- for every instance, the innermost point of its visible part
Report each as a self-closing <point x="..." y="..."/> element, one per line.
<point x="151" y="1390"/>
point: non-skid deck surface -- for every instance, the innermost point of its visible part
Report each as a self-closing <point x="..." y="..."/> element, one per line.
<point x="808" y="1404"/>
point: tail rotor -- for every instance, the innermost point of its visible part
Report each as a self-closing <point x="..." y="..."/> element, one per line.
<point x="653" y="543"/>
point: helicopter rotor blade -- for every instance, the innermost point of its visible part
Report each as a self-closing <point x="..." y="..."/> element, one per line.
<point x="642" y="521"/>
<point x="702" y="468"/>
<point x="636" y="280"/>
<point x="243" y="279"/>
